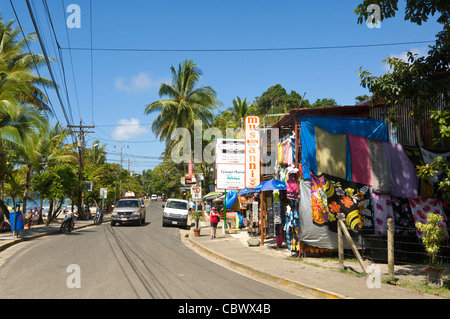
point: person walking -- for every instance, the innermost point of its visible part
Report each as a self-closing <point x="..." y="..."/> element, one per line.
<point x="214" y="219"/>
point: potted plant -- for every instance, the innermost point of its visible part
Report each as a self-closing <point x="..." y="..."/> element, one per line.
<point x="433" y="234"/>
<point x="197" y="215"/>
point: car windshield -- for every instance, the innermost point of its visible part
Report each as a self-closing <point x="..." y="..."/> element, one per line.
<point x="176" y="204"/>
<point x="128" y="203"/>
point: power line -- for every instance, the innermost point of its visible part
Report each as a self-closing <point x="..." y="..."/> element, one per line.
<point x="33" y="57"/>
<point x="249" y="49"/>
<point x="44" y="51"/>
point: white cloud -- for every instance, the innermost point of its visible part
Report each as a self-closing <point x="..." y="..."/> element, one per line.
<point x="138" y="83"/>
<point x="128" y="129"/>
<point x="404" y="55"/>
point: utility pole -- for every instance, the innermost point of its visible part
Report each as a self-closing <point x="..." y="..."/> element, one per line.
<point x="81" y="131"/>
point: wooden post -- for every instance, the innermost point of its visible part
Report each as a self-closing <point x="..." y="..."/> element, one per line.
<point x="390" y="243"/>
<point x="340" y="249"/>
<point x="261" y="214"/>
<point x="352" y="244"/>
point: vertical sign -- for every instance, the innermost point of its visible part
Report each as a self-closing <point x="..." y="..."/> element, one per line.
<point x="252" y="152"/>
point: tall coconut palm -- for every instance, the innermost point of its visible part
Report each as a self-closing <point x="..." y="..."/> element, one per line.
<point x="185" y="102"/>
<point x="21" y="99"/>
<point x="240" y="110"/>
<point x="17" y="65"/>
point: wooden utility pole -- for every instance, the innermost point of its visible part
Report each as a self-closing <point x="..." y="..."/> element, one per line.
<point x="81" y="131"/>
<point x="390" y="239"/>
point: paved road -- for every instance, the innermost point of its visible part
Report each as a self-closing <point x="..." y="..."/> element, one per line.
<point x="122" y="262"/>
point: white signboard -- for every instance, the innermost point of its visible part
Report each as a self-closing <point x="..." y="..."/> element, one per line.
<point x="252" y="152"/>
<point x="103" y="193"/>
<point x="230" y="151"/>
<point x="196" y="193"/>
<point x="230" y="176"/>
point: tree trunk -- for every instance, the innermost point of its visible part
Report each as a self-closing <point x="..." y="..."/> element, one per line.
<point x="3" y="211"/>
<point x="27" y="187"/>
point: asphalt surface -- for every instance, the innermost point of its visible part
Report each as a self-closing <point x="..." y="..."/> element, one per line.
<point x="153" y="262"/>
<point x="121" y="262"/>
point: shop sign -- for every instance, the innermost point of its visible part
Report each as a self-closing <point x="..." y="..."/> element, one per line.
<point x="252" y="152"/>
<point x="230" y="176"/>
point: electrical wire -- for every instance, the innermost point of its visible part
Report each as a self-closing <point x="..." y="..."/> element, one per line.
<point x="250" y="49"/>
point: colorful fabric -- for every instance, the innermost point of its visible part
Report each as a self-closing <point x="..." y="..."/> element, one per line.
<point x="359" y="149"/>
<point x="380" y="178"/>
<point x="292" y="184"/>
<point x="351" y="199"/>
<point x="319" y="200"/>
<point x="369" y="128"/>
<point x="403" y="219"/>
<point x="405" y="182"/>
<point x="331" y="153"/>
<point x="382" y="210"/>
<point x="420" y="207"/>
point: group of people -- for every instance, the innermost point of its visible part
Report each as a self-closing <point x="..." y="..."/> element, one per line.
<point x="211" y="211"/>
<point x="32" y="217"/>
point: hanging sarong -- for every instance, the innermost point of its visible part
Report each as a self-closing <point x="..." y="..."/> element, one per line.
<point x="382" y="210"/>
<point x="420" y="207"/>
<point x="360" y="159"/>
<point x="404" y="222"/>
<point x="319" y="200"/>
<point x="380" y="178"/>
<point x="331" y="153"/>
<point x="405" y="182"/>
<point x="351" y="199"/>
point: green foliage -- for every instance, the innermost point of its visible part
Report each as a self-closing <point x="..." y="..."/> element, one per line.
<point x="276" y="100"/>
<point x="56" y="182"/>
<point x="433" y="235"/>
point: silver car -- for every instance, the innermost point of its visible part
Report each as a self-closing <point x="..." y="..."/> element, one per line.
<point x="128" y="210"/>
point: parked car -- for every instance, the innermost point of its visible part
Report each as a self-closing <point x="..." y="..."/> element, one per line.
<point x="175" y="212"/>
<point x="128" y="210"/>
<point x="154" y="197"/>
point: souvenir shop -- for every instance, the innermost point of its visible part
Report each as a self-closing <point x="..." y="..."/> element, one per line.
<point x="346" y="165"/>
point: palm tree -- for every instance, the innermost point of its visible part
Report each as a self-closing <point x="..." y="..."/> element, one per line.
<point x="16" y="66"/>
<point x="185" y="103"/>
<point x="240" y="110"/>
<point x="21" y="101"/>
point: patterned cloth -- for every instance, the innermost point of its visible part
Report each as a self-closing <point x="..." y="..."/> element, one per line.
<point x="404" y="222"/>
<point x="420" y="207"/>
<point x="319" y="200"/>
<point x="382" y="210"/>
<point x="351" y="199"/>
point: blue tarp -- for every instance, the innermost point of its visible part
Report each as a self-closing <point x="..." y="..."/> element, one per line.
<point x="368" y="128"/>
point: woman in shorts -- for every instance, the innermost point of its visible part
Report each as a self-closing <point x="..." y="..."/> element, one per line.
<point x="214" y="219"/>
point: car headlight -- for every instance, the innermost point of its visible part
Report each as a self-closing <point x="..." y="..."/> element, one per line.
<point x="115" y="214"/>
<point x="135" y="214"/>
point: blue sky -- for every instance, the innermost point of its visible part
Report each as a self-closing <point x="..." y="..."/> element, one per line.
<point x="123" y="82"/>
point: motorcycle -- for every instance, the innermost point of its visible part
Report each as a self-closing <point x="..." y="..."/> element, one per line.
<point x="98" y="217"/>
<point x="68" y="223"/>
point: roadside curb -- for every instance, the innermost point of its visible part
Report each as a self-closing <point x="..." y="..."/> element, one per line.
<point x="261" y="274"/>
<point x="32" y="237"/>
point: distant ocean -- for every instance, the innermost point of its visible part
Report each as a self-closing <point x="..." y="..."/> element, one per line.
<point x="32" y="203"/>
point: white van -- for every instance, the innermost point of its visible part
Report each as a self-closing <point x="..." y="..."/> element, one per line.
<point x="175" y="212"/>
<point x="154" y="197"/>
